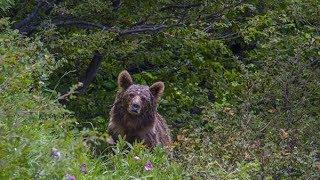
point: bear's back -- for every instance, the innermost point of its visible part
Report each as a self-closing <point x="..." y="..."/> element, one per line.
<point x="163" y="131"/>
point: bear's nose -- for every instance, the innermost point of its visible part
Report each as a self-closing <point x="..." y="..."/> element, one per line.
<point x="136" y="106"/>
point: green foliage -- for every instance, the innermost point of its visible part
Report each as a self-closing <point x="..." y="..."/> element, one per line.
<point x="130" y="163"/>
<point x="5" y="5"/>
<point x="242" y="87"/>
<point x="38" y="137"/>
<point x="32" y="125"/>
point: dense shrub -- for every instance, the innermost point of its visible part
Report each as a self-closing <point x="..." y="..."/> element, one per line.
<point x="38" y="136"/>
<point x="242" y="82"/>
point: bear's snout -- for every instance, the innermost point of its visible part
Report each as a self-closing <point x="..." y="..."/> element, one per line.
<point x="135" y="105"/>
<point x="135" y="108"/>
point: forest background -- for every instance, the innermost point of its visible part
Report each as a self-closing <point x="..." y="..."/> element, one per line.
<point x="242" y="87"/>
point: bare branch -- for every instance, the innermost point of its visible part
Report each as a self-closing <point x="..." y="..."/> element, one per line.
<point x="81" y="24"/>
<point x="88" y="25"/>
<point x="30" y="17"/>
<point x="91" y="72"/>
<point x="85" y="80"/>
<point x="143" y="29"/>
<point x="69" y="22"/>
<point x="42" y="5"/>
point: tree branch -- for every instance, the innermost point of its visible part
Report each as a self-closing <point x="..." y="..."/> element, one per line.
<point x="85" y="80"/>
<point x="42" y="5"/>
<point x="30" y="17"/>
<point x="69" y="22"/>
<point x="88" y="25"/>
<point x="91" y="72"/>
<point x="143" y="29"/>
<point x="81" y="24"/>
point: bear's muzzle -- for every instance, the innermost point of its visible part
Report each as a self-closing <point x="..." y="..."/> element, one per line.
<point x="135" y="106"/>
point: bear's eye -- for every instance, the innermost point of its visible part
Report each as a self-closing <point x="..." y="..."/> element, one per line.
<point x="143" y="99"/>
<point x="131" y="95"/>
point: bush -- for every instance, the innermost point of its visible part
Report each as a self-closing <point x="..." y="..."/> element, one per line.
<point x="38" y="136"/>
<point x="241" y="96"/>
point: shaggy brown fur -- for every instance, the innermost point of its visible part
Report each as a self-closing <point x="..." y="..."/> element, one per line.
<point x="134" y="113"/>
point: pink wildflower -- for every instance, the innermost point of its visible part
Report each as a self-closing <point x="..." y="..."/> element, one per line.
<point x="148" y="166"/>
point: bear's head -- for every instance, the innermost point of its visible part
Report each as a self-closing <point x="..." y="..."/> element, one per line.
<point x="138" y="99"/>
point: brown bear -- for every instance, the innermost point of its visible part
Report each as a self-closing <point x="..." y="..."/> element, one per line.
<point x="134" y="113"/>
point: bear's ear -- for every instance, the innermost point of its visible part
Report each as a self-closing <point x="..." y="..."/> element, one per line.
<point x="124" y="80"/>
<point x="157" y="89"/>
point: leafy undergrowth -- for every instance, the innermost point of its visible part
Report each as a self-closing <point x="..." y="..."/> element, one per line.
<point x="38" y="137"/>
<point x="241" y="98"/>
